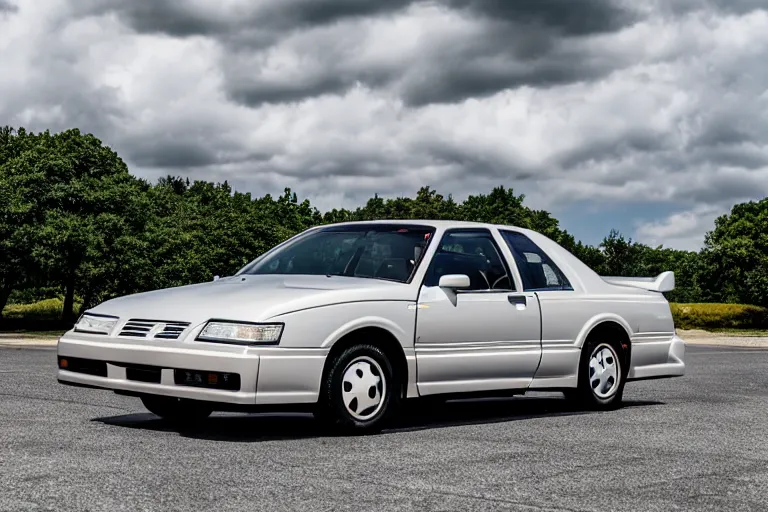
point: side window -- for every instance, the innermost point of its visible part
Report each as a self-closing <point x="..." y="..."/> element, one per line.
<point x="537" y="270"/>
<point x="470" y="252"/>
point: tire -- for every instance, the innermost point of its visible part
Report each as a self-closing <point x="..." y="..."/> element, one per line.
<point x="360" y="393"/>
<point x="177" y="410"/>
<point x="602" y="376"/>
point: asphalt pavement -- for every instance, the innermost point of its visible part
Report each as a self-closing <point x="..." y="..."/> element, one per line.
<point x="691" y="443"/>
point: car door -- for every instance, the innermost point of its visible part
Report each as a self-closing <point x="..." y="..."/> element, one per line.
<point x="484" y="337"/>
<point x="563" y="309"/>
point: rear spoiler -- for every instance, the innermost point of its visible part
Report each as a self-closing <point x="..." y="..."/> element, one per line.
<point x="664" y="282"/>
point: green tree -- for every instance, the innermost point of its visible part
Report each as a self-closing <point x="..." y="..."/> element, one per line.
<point x="289" y="212"/>
<point x="73" y="219"/>
<point x="431" y="205"/>
<point x="203" y="229"/>
<point x="623" y="257"/>
<point x="20" y="214"/>
<point x="734" y="262"/>
<point x="592" y="256"/>
<point x="501" y="206"/>
<point x="338" y="215"/>
<point x="72" y="197"/>
<point x="16" y="215"/>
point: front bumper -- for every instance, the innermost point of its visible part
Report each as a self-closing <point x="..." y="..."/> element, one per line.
<point x="268" y="375"/>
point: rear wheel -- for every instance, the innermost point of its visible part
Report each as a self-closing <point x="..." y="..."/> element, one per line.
<point x="601" y="375"/>
<point x="359" y="392"/>
<point x="177" y="410"/>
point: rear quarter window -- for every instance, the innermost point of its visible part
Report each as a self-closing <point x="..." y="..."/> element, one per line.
<point x="537" y="269"/>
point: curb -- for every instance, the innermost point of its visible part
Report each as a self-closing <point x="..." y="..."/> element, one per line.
<point x="706" y="338"/>
<point x="45" y="348"/>
<point x="29" y="343"/>
<point x="744" y="342"/>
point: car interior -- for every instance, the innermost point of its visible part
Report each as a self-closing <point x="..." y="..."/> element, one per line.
<point x="471" y="254"/>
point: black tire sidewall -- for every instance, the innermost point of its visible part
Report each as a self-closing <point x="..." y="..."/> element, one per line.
<point x="335" y="410"/>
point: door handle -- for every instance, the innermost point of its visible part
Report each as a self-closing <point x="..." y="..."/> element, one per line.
<point x="517" y="299"/>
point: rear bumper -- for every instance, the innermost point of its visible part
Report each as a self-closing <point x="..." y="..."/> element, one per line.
<point x="653" y="359"/>
<point x="268" y="375"/>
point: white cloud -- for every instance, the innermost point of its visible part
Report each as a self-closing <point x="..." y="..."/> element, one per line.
<point x="681" y="230"/>
<point x="670" y="109"/>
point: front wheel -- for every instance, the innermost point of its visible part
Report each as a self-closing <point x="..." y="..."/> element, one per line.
<point x="601" y="376"/>
<point x="177" y="410"/>
<point x="359" y="392"/>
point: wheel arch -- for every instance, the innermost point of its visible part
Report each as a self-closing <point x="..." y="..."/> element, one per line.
<point x="613" y="327"/>
<point x="379" y="337"/>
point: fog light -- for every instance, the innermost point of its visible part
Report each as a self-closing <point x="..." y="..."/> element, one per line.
<point x="63" y="363"/>
<point x="207" y="379"/>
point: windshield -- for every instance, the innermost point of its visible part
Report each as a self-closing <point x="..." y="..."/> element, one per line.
<point x="375" y="251"/>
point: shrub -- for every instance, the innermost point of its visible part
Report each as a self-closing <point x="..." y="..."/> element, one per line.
<point x="718" y="316"/>
<point x="45" y="310"/>
<point x="31" y="295"/>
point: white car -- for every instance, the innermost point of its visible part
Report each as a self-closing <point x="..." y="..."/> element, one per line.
<point x="350" y="320"/>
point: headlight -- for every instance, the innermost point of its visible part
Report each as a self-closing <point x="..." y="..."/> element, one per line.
<point x="95" y="324"/>
<point x="241" y="333"/>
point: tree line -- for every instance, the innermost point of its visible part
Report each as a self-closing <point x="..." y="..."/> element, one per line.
<point x="75" y="222"/>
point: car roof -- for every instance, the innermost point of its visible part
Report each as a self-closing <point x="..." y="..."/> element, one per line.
<point x="440" y="224"/>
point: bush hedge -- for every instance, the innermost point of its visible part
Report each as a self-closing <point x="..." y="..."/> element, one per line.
<point x="719" y="316"/>
<point x="43" y="315"/>
<point x="48" y="309"/>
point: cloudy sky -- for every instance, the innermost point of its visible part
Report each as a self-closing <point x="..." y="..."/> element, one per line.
<point x="646" y="116"/>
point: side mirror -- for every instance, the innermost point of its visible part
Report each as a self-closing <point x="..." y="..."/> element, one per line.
<point x="216" y="278"/>
<point x="454" y="281"/>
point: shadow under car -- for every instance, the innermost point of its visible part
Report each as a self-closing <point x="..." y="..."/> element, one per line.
<point x="255" y="427"/>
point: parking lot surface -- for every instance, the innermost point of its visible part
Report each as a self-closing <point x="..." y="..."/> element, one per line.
<point x="691" y="443"/>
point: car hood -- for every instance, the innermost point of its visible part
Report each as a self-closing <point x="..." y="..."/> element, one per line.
<point x="250" y="298"/>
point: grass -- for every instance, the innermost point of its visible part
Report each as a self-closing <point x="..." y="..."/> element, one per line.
<point x="740" y="332"/>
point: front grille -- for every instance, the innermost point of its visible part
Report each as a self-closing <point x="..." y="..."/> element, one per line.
<point x="135" y="328"/>
<point x="172" y="330"/>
